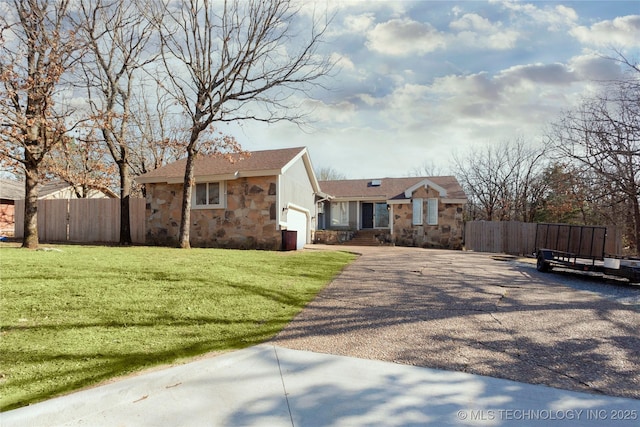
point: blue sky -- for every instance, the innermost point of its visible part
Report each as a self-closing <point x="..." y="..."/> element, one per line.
<point x="420" y="80"/>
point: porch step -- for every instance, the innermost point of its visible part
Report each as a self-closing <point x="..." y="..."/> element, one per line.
<point x="366" y="238"/>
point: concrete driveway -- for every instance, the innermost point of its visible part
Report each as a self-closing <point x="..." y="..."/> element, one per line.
<point x="480" y="314"/>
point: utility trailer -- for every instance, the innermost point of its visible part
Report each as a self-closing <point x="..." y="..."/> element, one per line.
<point x="582" y="248"/>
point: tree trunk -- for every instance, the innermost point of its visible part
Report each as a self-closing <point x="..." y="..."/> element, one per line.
<point x="185" y="222"/>
<point x="125" y="196"/>
<point x="30" y="239"/>
<point x="636" y="224"/>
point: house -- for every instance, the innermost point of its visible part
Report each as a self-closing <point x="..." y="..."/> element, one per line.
<point x="244" y="203"/>
<point x="258" y="200"/>
<point x="12" y="190"/>
<point x="416" y="211"/>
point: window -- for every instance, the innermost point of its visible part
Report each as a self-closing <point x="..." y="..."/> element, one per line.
<point x="340" y="213"/>
<point x="208" y="195"/>
<point x="432" y="211"/>
<point x="417" y="211"/>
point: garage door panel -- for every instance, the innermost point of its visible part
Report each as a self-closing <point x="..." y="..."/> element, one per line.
<point x="297" y="220"/>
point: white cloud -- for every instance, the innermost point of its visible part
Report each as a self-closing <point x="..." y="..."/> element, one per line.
<point x="342" y="112"/>
<point x="358" y="23"/>
<point x="472" y="21"/>
<point x="555" y="18"/>
<point x="593" y="67"/>
<point x="623" y="31"/>
<point x="477" y="31"/>
<point x="541" y="74"/>
<point x="400" y="37"/>
<point x="342" y="62"/>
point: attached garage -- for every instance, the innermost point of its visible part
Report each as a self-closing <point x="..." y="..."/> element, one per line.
<point x="297" y="220"/>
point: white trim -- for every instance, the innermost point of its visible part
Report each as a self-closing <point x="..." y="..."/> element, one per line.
<point x="222" y="196"/>
<point x="425" y="183"/>
<point x="307" y="213"/>
<point x="308" y="166"/>
<point x="454" y="201"/>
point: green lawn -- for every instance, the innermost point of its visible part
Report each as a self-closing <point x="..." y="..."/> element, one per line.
<point x="77" y="317"/>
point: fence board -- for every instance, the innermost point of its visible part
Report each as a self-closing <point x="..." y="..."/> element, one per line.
<point x="52" y="220"/>
<point x="83" y="220"/>
<point x="519" y="238"/>
<point x="137" y="219"/>
<point x="18" y="226"/>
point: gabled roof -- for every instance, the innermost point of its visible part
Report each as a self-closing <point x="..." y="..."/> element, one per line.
<point x="392" y="188"/>
<point x="14" y="190"/>
<point x="11" y="189"/>
<point x="256" y="163"/>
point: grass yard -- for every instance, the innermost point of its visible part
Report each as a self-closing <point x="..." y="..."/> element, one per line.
<point x="77" y="317"/>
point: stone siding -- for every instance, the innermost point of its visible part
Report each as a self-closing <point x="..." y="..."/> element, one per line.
<point x="248" y="222"/>
<point x="447" y="234"/>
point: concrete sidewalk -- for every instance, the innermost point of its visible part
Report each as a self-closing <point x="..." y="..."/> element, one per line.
<point x="273" y="386"/>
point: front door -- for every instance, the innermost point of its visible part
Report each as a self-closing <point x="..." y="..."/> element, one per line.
<point x="367" y="215"/>
<point x="381" y="219"/>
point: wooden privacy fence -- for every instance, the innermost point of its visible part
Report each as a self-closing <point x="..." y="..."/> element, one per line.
<point x="517" y="238"/>
<point x="83" y="220"/>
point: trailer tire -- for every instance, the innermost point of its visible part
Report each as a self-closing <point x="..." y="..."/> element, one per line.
<point x="542" y="265"/>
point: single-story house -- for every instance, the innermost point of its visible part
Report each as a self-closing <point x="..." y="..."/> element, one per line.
<point x="244" y="203"/>
<point x="256" y="201"/>
<point x="415" y="211"/>
<point x="12" y="190"/>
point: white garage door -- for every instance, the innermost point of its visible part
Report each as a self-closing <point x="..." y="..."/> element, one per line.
<point x="297" y="220"/>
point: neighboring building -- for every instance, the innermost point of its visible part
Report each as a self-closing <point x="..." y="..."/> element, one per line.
<point x="417" y="211"/>
<point x="12" y="190"/>
<point x="245" y="203"/>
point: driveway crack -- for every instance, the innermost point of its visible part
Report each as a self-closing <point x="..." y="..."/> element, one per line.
<point x="284" y="387"/>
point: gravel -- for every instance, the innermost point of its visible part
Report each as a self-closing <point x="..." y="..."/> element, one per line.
<point x="477" y="313"/>
<point x="615" y="289"/>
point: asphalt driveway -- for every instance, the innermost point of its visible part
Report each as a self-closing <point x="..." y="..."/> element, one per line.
<point x="480" y="314"/>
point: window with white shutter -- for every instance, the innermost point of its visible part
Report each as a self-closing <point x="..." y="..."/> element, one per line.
<point x="432" y="211"/>
<point x="417" y="211"/>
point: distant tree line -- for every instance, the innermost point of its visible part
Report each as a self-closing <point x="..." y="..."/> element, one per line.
<point x="586" y="171"/>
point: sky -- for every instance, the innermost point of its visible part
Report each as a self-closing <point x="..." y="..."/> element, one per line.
<point x="418" y="82"/>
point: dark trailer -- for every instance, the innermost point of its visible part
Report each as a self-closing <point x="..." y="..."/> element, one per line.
<point x="582" y="248"/>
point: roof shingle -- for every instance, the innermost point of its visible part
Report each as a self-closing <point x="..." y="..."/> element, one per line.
<point x="389" y="188"/>
<point x="256" y="161"/>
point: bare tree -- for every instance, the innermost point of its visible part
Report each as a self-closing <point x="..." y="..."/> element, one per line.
<point x="37" y="48"/>
<point x="502" y="181"/>
<point x="329" y="174"/>
<point x="159" y="134"/>
<point x="84" y="163"/>
<point x="235" y="60"/>
<point x="428" y="168"/>
<point x="118" y="37"/>
<point x="602" y="136"/>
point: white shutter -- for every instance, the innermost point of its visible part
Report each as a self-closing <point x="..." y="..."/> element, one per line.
<point x="432" y="211"/>
<point x="417" y="211"/>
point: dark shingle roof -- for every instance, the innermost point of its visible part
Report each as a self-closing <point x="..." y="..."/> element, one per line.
<point x="256" y="161"/>
<point x="389" y="188"/>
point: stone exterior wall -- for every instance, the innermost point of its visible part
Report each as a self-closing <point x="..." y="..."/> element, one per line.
<point x="248" y="222"/>
<point x="332" y="237"/>
<point x="447" y="234"/>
